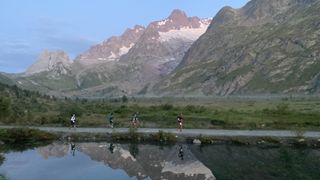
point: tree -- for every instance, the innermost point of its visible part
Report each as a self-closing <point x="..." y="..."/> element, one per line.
<point x="124" y="99"/>
<point x="70" y="109"/>
<point x="5" y="106"/>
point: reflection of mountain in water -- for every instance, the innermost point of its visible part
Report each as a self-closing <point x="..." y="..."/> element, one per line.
<point x="55" y="149"/>
<point x="141" y="161"/>
<point x="246" y="162"/>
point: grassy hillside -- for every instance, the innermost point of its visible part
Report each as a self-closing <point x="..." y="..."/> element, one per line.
<point x="21" y="107"/>
<point x="253" y="50"/>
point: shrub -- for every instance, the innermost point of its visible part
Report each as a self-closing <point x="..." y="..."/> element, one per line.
<point x="124" y="99"/>
<point x="282" y="108"/>
<point x="166" y="107"/>
<point x="69" y="110"/>
<point x="195" y="109"/>
<point x="217" y="122"/>
<point x="5" y="105"/>
<point x="25" y="135"/>
<point x="163" y="137"/>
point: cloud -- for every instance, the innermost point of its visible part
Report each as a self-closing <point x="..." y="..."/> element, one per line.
<point x="58" y="34"/>
<point x="44" y="26"/>
<point x="13" y="46"/>
<point x="16" y="55"/>
<point x="16" y="62"/>
<point x="72" y="45"/>
<point x="21" y="50"/>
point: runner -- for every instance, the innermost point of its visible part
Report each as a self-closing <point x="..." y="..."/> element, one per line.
<point x="135" y="119"/>
<point x="110" y="117"/>
<point x="73" y="121"/>
<point x="180" y="122"/>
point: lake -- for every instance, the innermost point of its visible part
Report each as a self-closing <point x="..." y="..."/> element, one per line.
<point x="65" y="160"/>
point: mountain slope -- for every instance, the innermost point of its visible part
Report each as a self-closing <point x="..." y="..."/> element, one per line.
<point x="111" y="49"/>
<point x="268" y="46"/>
<point x="157" y="51"/>
<point x="129" y="64"/>
<point x="4" y="79"/>
<point x="57" y="62"/>
<point x="51" y="74"/>
<point x="160" y="49"/>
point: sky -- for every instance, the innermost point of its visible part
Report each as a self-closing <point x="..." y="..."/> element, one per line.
<point x="30" y="26"/>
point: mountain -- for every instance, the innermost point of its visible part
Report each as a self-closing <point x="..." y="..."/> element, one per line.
<point x="128" y="64"/>
<point x="51" y="74"/>
<point x="159" y="50"/>
<point x="164" y="43"/>
<point x="4" y="79"/>
<point x="138" y="161"/>
<point x="111" y="49"/>
<point x="57" y="62"/>
<point x="268" y="46"/>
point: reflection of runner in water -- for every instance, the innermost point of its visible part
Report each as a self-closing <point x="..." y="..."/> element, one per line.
<point x="73" y="148"/>
<point x="111" y="147"/>
<point x="180" y="155"/>
<point x="134" y="149"/>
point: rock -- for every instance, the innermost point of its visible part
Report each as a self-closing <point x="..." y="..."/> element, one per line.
<point x="57" y="61"/>
<point x="238" y="55"/>
<point x="196" y="141"/>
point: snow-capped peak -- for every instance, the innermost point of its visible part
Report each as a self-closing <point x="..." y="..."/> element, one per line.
<point x="189" y="32"/>
<point x="177" y="15"/>
<point x="113" y="48"/>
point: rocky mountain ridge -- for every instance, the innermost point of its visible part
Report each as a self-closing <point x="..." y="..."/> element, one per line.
<point x="124" y="65"/>
<point x="111" y="49"/>
<point x="266" y="47"/>
<point x="57" y="61"/>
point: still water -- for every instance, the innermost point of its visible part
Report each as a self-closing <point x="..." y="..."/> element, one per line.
<point x="140" y="161"/>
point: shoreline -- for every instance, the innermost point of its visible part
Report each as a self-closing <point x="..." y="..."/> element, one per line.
<point x="261" y="138"/>
<point x="184" y="133"/>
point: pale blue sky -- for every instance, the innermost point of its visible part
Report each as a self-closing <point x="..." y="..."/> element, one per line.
<point x="30" y="26"/>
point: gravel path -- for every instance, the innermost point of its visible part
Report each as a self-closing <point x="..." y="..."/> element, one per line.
<point x="185" y="132"/>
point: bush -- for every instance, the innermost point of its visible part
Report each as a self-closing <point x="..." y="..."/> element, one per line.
<point x="166" y="107"/>
<point x="163" y="137"/>
<point x="195" y="109"/>
<point x="282" y="109"/>
<point x="68" y="111"/>
<point x="5" y="105"/>
<point x="217" y="122"/>
<point x="25" y="135"/>
<point x="132" y="136"/>
<point x="124" y="99"/>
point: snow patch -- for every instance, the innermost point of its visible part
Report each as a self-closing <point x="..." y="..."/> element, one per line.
<point x="34" y="83"/>
<point x="190" y="169"/>
<point x="138" y="30"/>
<point x="112" y="56"/>
<point x="124" y="50"/>
<point x="185" y="33"/>
<point x="126" y="154"/>
<point x="160" y="23"/>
